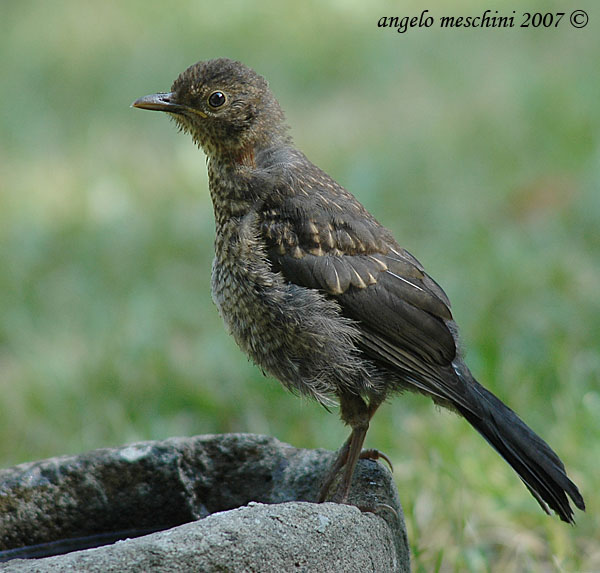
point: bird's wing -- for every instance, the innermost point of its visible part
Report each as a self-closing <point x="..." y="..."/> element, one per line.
<point x="321" y="237"/>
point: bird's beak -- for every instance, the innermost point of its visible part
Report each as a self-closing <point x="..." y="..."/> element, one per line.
<point x="159" y="102"/>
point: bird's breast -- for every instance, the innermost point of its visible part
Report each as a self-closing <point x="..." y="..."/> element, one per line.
<point x="241" y="278"/>
<point x="295" y="333"/>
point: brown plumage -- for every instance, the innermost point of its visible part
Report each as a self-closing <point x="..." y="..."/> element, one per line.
<point x="319" y="294"/>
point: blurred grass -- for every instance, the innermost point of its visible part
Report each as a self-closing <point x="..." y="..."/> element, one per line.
<point x="478" y="148"/>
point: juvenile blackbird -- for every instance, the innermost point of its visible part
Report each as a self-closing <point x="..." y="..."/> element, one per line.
<point x="319" y="294"/>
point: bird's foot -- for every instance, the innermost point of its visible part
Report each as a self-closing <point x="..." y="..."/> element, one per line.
<point x="341" y="495"/>
<point x="373" y="454"/>
<point x="377" y="508"/>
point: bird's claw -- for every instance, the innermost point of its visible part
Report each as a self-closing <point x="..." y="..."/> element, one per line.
<point x="379" y="506"/>
<point x="373" y="454"/>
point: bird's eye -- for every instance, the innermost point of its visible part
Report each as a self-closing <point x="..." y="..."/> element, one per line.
<point x="216" y="99"/>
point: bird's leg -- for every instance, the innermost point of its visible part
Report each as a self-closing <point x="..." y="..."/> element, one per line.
<point x="356" y="414"/>
<point x="337" y="465"/>
<point x="357" y="438"/>
<point x="373" y="454"/>
<point x="347" y="456"/>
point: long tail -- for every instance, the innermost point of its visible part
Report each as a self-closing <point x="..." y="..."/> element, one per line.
<point x="537" y="465"/>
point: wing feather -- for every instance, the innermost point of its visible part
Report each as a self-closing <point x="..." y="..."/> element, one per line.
<point x="322" y="238"/>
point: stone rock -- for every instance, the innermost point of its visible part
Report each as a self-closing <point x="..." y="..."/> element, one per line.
<point x="234" y="502"/>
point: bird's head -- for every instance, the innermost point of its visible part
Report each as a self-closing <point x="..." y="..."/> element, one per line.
<point x="227" y="108"/>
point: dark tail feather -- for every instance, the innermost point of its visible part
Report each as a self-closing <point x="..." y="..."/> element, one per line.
<point x="537" y="465"/>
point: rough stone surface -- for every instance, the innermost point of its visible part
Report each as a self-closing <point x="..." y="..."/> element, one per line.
<point x="294" y="536"/>
<point x="73" y="502"/>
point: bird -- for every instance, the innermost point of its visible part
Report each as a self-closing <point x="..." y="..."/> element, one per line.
<point x="320" y="295"/>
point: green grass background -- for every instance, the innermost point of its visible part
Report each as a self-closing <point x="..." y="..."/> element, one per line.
<point x="478" y="148"/>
